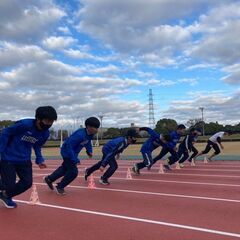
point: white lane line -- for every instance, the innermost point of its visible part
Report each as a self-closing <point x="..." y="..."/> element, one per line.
<point x="135" y="219"/>
<point x="154" y="193"/>
<point x="155" y="168"/>
<point x="164" y="181"/>
<point x="172" y="173"/>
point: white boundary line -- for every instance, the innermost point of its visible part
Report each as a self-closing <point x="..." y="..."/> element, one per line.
<point x="158" y="180"/>
<point x="157" y="168"/>
<point x="135" y="219"/>
<point x="154" y="193"/>
<point x="172" y="173"/>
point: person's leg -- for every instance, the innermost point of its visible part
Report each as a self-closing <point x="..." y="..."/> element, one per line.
<point x="95" y="167"/>
<point x="163" y="152"/>
<point x="58" y="173"/>
<point x="92" y="169"/>
<point x="1" y="184"/>
<point x="217" y="151"/>
<point x="113" y="166"/>
<point x="206" y="150"/>
<point x="24" y="172"/>
<point x="8" y="174"/>
<point x="147" y="161"/>
<point x="70" y="174"/>
<point x="174" y="156"/>
<point x="194" y="154"/>
<point x="184" y="157"/>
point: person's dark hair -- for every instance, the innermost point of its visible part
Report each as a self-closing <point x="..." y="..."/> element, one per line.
<point x="199" y="130"/>
<point x="46" y="112"/>
<point x="92" y="122"/>
<point x="181" y="126"/>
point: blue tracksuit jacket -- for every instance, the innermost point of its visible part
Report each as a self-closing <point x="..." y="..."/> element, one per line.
<point x="73" y="145"/>
<point x="17" y="141"/>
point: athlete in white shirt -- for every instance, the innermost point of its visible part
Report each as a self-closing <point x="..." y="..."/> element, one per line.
<point x="214" y="142"/>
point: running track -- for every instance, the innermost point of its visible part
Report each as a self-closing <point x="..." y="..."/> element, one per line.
<point x="194" y="203"/>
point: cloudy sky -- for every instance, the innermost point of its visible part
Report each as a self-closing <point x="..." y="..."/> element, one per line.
<point x="91" y="57"/>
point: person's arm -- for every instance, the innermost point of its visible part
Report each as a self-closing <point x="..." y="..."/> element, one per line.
<point x="219" y="140"/>
<point x="111" y="154"/>
<point x="37" y="149"/>
<point x="189" y="143"/>
<point x="68" y="145"/>
<point x="9" y="132"/>
<point x="89" y="149"/>
<point x="151" y="132"/>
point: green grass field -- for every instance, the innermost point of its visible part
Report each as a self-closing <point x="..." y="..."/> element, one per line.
<point x="230" y="148"/>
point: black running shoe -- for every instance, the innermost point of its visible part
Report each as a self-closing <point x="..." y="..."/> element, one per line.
<point x="104" y="181"/>
<point x="48" y="182"/>
<point x="8" y="202"/>
<point x="60" y="191"/>
<point x="167" y="167"/>
<point x="135" y="169"/>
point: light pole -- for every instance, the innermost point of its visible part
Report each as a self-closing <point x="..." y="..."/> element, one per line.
<point x="201" y="109"/>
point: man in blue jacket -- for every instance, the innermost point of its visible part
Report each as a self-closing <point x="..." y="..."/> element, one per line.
<point x="82" y="138"/>
<point x="148" y="147"/>
<point x="16" y="143"/>
<point x="171" y="146"/>
<point x="111" y="151"/>
<point x="185" y="147"/>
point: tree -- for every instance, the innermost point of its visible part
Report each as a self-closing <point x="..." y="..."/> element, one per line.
<point x="213" y="127"/>
<point x="165" y="125"/>
<point x="112" y="133"/>
<point x="194" y="122"/>
<point x="6" y="123"/>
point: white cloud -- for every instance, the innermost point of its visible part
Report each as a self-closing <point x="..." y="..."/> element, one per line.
<point x="59" y="43"/>
<point x="15" y="54"/>
<point x="217" y="106"/>
<point x="64" y="30"/>
<point x="27" y="21"/>
<point x="233" y="76"/>
<point x="137" y="28"/>
<point x="164" y="82"/>
<point x="83" y="54"/>
<point x="219" y="30"/>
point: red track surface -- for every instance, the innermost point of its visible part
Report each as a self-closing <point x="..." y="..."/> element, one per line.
<point x="194" y="203"/>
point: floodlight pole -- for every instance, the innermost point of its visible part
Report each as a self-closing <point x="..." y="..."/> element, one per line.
<point x="203" y="130"/>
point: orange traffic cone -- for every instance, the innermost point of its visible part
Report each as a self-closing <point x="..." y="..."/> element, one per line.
<point x="161" y="168"/>
<point x="34" y="199"/>
<point x="91" y="183"/>
<point x="129" y="175"/>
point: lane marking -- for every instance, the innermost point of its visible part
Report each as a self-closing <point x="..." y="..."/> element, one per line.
<point x="158" y="180"/>
<point x="167" y="174"/>
<point x="153" y="193"/>
<point x="135" y="219"/>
